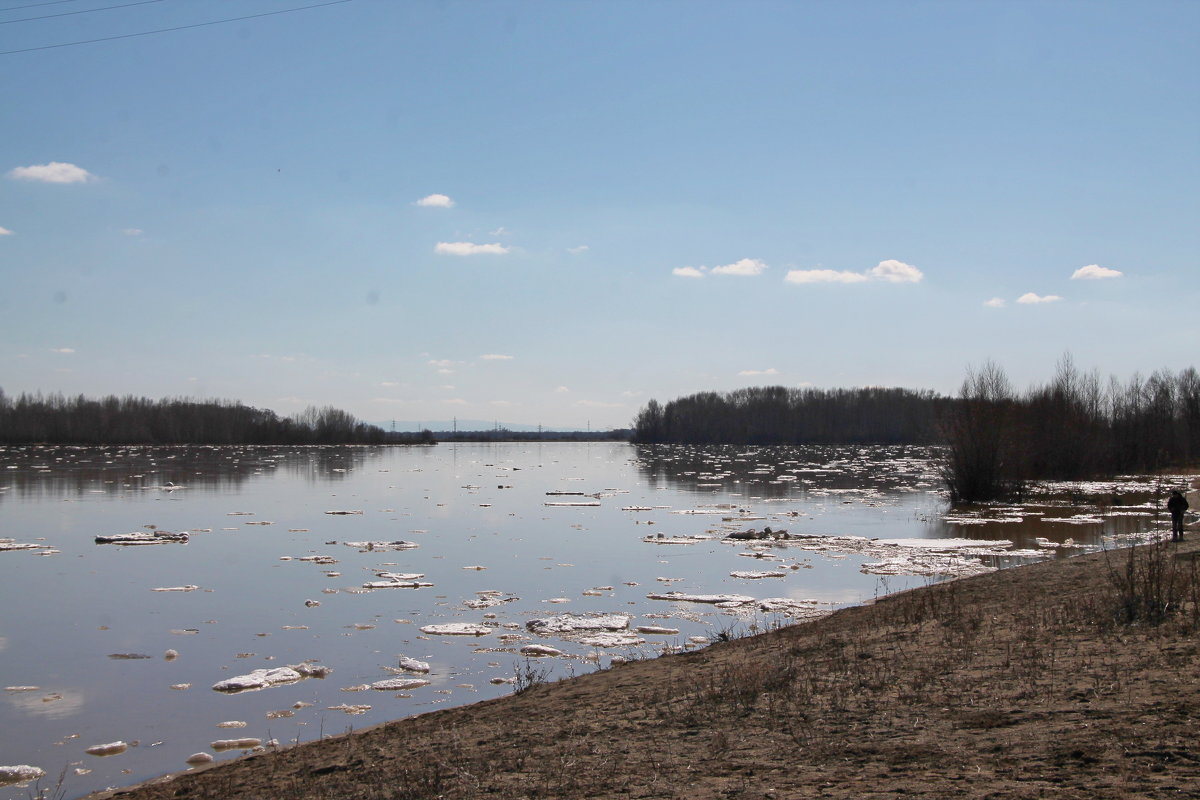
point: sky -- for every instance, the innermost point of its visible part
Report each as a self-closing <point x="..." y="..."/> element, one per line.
<point x="551" y="212"/>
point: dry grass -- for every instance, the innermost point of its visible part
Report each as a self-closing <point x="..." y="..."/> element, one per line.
<point x="1032" y="682"/>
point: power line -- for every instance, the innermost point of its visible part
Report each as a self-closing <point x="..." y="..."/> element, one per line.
<point x="177" y="28"/>
<point x="73" y="13"/>
<point x="35" y="5"/>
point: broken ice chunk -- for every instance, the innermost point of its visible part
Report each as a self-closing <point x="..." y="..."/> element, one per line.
<point x="110" y="749"/>
<point x="701" y="598"/>
<point x="413" y="665"/>
<point x="572" y="623"/>
<point x="262" y="678"/>
<point x="399" y="684"/>
<point x="457" y="629"/>
<point x="20" y="773"/>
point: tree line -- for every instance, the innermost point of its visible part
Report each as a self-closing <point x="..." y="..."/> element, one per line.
<point x="778" y="415"/>
<point x="996" y="439"/>
<point x="55" y="419"/>
<point x="1073" y="427"/>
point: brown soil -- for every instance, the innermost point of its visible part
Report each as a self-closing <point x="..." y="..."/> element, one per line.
<point x="1022" y="683"/>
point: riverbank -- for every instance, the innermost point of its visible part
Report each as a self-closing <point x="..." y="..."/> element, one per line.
<point x="1019" y="683"/>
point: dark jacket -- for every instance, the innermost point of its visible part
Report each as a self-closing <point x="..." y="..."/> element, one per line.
<point x="1177" y="504"/>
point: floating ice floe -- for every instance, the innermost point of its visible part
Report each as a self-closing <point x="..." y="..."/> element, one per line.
<point x="246" y="743"/>
<point x="188" y="588"/>
<point x="142" y="538"/>
<point x="576" y="623"/>
<point x="612" y="640"/>
<point x="394" y="584"/>
<point x="20" y="773"/>
<point x="684" y="597"/>
<point x="383" y="546"/>
<point x="579" y="504"/>
<point x="399" y="684"/>
<point x="109" y="749"/>
<point x="488" y="599"/>
<point x="413" y="665"/>
<point x="664" y="539"/>
<point x="457" y="629"/>
<point x="350" y="709"/>
<point x="199" y="758"/>
<point x="263" y="678"/>
<point x="753" y="575"/>
<point x="538" y="650"/>
<point x="344" y="513"/>
<point x="658" y="630"/>
<point x="13" y="544"/>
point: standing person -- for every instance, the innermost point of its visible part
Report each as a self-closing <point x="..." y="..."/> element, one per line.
<point x="1177" y="505"/>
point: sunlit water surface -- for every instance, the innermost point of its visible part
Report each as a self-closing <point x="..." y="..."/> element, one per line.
<point x="84" y="635"/>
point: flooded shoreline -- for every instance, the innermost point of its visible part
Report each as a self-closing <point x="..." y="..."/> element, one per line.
<point x="356" y="559"/>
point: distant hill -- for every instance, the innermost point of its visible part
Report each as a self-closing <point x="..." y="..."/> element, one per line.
<point x="439" y="426"/>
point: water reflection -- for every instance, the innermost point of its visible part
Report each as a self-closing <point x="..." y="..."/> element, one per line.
<point x="33" y="471"/>
<point x="57" y="704"/>
<point x="786" y="471"/>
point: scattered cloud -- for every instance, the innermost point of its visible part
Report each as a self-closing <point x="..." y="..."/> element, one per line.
<point x="436" y="201"/>
<point x="469" y="249"/>
<point x="456" y="401"/>
<point x="995" y="302"/>
<point x="496" y="357"/>
<point x="890" y="271"/>
<point x="894" y="271"/>
<point x="1095" y="272"/>
<point x="744" y="267"/>
<point x="501" y="231"/>
<point x="632" y="393"/>
<point x="823" y="276"/>
<point x="688" y="272"/>
<point x="1029" y="298"/>
<point x="54" y="172"/>
<point x="561" y="390"/>
<point x="750" y="372"/>
<point x="66" y="351"/>
<point x="444" y="366"/>
<point x="133" y="231"/>
<point x="501" y="403"/>
<point x="390" y="383"/>
<point x="5" y="232"/>
<point x="583" y="248"/>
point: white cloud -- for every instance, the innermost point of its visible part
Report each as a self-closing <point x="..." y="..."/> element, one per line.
<point x="5" y="232"/>
<point x="444" y="365"/>
<point x="583" y="248"/>
<point x="54" y="172"/>
<point x="750" y="372"/>
<point x="561" y="390"/>
<point x="744" y="267"/>
<point x="469" y="248"/>
<point x="501" y="231"/>
<point x="436" y="201"/>
<point x="66" y="351"/>
<point x="501" y="403"/>
<point x="133" y="231"/>
<point x="390" y="383"/>
<point x="995" y="302"/>
<point x="688" y="272"/>
<point x="823" y="276"/>
<point x="1029" y="298"/>
<point x="456" y="401"/>
<point x="1095" y="272"/>
<point x="496" y="357"/>
<point x="895" y="272"/>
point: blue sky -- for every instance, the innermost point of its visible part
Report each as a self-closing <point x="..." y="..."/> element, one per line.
<point x="550" y="212"/>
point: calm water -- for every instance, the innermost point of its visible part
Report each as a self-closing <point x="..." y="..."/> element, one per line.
<point x="479" y="517"/>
